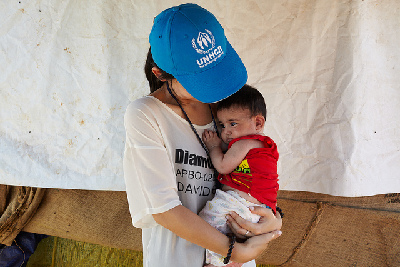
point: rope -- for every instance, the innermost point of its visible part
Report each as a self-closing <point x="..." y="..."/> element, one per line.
<point x="311" y="228"/>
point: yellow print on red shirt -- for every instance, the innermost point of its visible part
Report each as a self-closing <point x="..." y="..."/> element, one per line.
<point x="243" y="168"/>
<point x="241" y="175"/>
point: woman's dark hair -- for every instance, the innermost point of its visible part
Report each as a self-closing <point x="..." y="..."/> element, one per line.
<point x="247" y="97"/>
<point x="154" y="82"/>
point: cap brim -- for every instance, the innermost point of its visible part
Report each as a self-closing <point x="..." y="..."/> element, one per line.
<point x="218" y="82"/>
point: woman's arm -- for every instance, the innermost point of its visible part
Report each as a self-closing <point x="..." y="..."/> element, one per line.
<point x="191" y="227"/>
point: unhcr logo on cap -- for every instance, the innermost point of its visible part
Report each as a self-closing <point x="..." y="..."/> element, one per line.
<point x="206" y="46"/>
<point x="205" y="41"/>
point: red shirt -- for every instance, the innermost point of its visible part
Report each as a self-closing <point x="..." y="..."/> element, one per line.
<point x="257" y="174"/>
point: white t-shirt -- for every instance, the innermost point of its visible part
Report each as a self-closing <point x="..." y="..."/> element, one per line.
<point x="164" y="166"/>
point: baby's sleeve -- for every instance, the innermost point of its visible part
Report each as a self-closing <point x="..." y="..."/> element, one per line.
<point x="148" y="170"/>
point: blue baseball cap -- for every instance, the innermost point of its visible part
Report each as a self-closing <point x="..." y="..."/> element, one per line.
<point x="188" y="42"/>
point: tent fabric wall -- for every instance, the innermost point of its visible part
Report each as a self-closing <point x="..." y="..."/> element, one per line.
<point x="327" y="69"/>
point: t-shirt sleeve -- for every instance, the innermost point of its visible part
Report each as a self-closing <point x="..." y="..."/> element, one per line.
<point x="148" y="170"/>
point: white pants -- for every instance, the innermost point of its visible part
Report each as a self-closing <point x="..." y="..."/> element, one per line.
<point x="214" y="213"/>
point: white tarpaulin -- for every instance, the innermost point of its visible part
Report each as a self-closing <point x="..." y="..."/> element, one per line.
<point x="329" y="71"/>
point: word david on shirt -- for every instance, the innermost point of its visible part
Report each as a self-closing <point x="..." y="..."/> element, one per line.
<point x="195" y="189"/>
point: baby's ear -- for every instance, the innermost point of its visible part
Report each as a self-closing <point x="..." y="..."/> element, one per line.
<point x="260" y="122"/>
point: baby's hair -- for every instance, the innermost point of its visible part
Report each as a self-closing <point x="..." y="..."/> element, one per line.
<point x="247" y="97"/>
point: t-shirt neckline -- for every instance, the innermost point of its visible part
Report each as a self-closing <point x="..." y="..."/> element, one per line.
<point x="207" y="126"/>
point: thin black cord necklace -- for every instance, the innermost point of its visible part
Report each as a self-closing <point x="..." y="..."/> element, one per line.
<point x="190" y="122"/>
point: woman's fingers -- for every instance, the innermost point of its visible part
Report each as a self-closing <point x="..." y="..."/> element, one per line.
<point x="244" y="229"/>
<point x="262" y="241"/>
<point x="239" y="226"/>
<point x="272" y="235"/>
<point x="268" y="221"/>
<point x="263" y="212"/>
<point x="242" y="226"/>
<point x="254" y="246"/>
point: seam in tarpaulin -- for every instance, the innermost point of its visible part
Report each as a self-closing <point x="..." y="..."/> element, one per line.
<point x="310" y="229"/>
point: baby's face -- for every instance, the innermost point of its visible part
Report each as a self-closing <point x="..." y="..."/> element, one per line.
<point x="236" y="122"/>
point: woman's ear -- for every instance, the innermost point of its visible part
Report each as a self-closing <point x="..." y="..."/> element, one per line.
<point x="260" y="122"/>
<point x="157" y="72"/>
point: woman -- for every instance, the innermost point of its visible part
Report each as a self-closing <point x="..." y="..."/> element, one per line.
<point x="168" y="175"/>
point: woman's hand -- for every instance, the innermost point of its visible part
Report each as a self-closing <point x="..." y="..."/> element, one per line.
<point x="244" y="229"/>
<point x="253" y="247"/>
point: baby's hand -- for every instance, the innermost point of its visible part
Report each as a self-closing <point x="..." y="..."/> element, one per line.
<point x="211" y="139"/>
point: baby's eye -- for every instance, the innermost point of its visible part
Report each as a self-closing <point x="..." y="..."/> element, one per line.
<point x="222" y="126"/>
<point x="233" y="123"/>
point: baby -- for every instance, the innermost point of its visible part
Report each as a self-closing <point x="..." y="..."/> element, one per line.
<point x="248" y="169"/>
